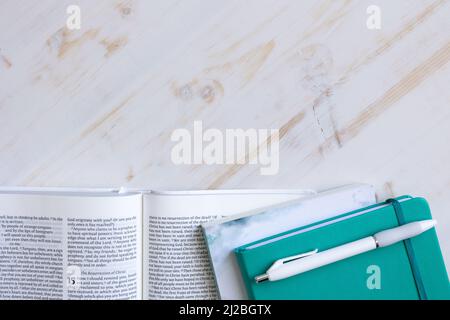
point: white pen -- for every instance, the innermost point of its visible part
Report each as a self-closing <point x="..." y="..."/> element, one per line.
<point x="291" y="266"/>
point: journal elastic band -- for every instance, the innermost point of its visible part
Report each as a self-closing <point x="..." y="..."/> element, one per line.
<point x="409" y="249"/>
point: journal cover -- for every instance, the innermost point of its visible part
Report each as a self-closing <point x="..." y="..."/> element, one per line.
<point x="412" y="269"/>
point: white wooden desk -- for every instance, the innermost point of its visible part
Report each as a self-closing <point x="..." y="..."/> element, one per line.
<point x="96" y="106"/>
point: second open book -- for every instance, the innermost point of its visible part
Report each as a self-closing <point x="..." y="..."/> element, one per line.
<point x="102" y="244"/>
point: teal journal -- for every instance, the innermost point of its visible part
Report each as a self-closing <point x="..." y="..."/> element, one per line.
<point x="408" y="270"/>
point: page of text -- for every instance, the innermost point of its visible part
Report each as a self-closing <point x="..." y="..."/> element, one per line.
<point x="69" y="247"/>
<point x="176" y="260"/>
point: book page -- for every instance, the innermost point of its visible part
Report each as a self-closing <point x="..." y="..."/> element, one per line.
<point x="70" y="247"/>
<point x="176" y="262"/>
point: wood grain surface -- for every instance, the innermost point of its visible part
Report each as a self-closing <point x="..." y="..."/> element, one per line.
<point x="96" y="106"/>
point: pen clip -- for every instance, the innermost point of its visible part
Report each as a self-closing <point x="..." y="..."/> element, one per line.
<point x="282" y="261"/>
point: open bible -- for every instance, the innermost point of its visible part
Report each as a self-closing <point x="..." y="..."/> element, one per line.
<point x="111" y="244"/>
<point x="106" y="244"/>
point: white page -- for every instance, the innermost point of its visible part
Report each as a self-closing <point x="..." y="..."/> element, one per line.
<point x="70" y="247"/>
<point x="176" y="263"/>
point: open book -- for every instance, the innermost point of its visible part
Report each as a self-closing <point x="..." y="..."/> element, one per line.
<point x="105" y="244"/>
